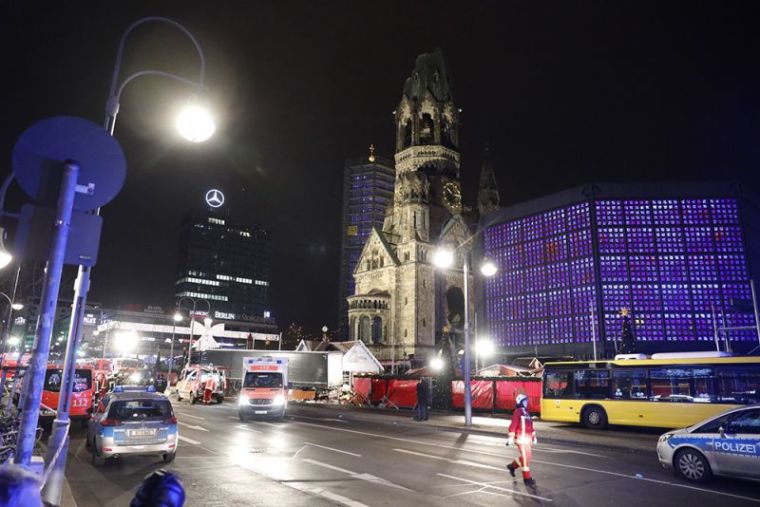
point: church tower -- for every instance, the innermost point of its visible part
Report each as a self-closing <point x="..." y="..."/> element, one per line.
<point x="398" y="308"/>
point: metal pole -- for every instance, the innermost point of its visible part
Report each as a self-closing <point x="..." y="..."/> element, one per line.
<point x="171" y="352"/>
<point x="467" y="388"/>
<point x="37" y="364"/>
<point x="725" y="331"/>
<point x="279" y="343"/>
<point x="59" y="437"/>
<point x="754" y="306"/>
<point x="715" y="328"/>
<point x="593" y="328"/>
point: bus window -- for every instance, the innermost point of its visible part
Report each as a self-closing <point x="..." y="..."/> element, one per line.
<point x="592" y="384"/>
<point x="558" y="384"/>
<point x="82" y="380"/>
<point x="629" y="384"/>
<point x="738" y="384"/>
<point x="682" y="384"/>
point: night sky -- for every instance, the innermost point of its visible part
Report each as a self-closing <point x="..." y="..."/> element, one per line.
<point x="565" y="92"/>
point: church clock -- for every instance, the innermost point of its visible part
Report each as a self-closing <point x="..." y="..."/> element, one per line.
<point x="452" y="197"/>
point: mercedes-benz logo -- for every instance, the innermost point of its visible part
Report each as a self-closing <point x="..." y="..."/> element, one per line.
<point x="214" y="198"/>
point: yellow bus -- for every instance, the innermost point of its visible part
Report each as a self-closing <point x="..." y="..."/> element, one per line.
<point x="664" y="391"/>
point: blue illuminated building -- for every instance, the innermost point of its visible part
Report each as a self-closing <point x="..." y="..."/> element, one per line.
<point x="367" y="190"/>
<point x="674" y="255"/>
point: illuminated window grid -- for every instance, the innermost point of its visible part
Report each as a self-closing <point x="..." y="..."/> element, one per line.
<point x="616" y="296"/>
<point x="666" y="212"/>
<point x="643" y="268"/>
<point x="703" y="326"/>
<point x="582" y="271"/>
<point x="675" y="298"/>
<point x="613" y="268"/>
<point x="648" y="326"/>
<point x="669" y="239"/>
<point x="534" y="253"/>
<point x="583" y="328"/>
<point x="672" y="268"/>
<point x="646" y="298"/>
<point x="578" y="217"/>
<point x="561" y="330"/>
<point x="695" y="211"/>
<point x="637" y="212"/>
<point x="702" y="268"/>
<point x="555" y="248"/>
<point x="558" y="275"/>
<point x="699" y="240"/>
<point x="640" y="240"/>
<point x="579" y="243"/>
<point x="705" y="297"/>
<point x="732" y="268"/>
<point x="679" y="326"/>
<point x="555" y="222"/>
<point x="609" y="213"/>
<point x="728" y="239"/>
<point x="558" y="303"/>
<point x="724" y="211"/>
<point x="533" y="227"/>
<point x="611" y="240"/>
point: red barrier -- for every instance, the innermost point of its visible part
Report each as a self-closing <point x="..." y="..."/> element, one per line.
<point x="377" y="392"/>
<point x="403" y="393"/>
<point x="362" y="386"/>
<point x="507" y="391"/>
<point x="482" y="394"/>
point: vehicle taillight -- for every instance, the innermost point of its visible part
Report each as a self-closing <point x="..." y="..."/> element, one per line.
<point x="171" y="420"/>
<point x="110" y="422"/>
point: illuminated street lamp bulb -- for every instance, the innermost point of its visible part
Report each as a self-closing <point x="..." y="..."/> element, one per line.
<point x="443" y="258"/>
<point x="14" y="341"/>
<point x="195" y="124"/>
<point x="126" y="341"/>
<point x="5" y="258"/>
<point x="485" y="348"/>
<point x="17" y="306"/>
<point x="207" y="321"/>
<point x="437" y="363"/>
<point x="488" y="268"/>
<point x="177" y="317"/>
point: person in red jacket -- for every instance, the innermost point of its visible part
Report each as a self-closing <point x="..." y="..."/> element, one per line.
<point x="522" y="433"/>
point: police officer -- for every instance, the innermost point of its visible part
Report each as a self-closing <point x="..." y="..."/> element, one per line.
<point x="521" y="432"/>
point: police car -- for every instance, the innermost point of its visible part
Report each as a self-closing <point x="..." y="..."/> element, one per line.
<point x="727" y="444"/>
<point x="132" y="420"/>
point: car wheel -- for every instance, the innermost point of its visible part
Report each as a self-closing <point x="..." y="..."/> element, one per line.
<point x="242" y="416"/>
<point x="97" y="461"/>
<point x="179" y="397"/>
<point x="594" y="417"/>
<point x="692" y="465"/>
<point x="219" y="399"/>
<point x="169" y="457"/>
<point x="193" y="399"/>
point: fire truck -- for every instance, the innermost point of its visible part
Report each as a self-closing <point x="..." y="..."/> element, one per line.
<point x="265" y="387"/>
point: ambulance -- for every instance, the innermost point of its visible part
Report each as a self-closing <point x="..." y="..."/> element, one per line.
<point x="265" y="387"/>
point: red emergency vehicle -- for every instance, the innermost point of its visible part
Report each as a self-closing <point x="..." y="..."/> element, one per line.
<point x="81" y="393"/>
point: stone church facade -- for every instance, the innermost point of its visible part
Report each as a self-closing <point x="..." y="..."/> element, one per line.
<point x="403" y="304"/>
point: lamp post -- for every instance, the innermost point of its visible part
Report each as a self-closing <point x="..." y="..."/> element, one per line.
<point x="206" y="321"/>
<point x="177" y="317"/>
<point x="444" y="258"/>
<point x="7" y="332"/>
<point x="58" y="443"/>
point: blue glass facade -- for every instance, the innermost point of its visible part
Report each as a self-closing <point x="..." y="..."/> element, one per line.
<point x="367" y="191"/>
<point x="671" y="262"/>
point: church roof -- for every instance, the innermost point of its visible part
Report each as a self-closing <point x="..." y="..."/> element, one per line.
<point x="430" y="74"/>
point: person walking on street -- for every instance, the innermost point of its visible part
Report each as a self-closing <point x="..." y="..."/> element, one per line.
<point x="423" y="400"/>
<point x="522" y="433"/>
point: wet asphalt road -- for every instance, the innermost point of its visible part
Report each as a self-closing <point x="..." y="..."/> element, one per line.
<point x="320" y="456"/>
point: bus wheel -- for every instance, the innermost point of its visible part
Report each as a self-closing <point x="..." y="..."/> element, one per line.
<point x="692" y="465"/>
<point x="594" y="417"/>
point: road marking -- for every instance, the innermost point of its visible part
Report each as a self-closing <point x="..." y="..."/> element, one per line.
<point x="183" y="414"/>
<point x="334" y="497"/>
<point x="489" y="486"/>
<point x="199" y="428"/>
<point x="356" y="475"/>
<point x="454" y="461"/>
<point x="332" y="449"/>
<point x="606" y="472"/>
<point x="244" y="427"/>
<point x="320" y="418"/>
<point x="189" y="440"/>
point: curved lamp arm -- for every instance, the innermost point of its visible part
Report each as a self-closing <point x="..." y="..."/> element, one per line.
<point x="112" y="105"/>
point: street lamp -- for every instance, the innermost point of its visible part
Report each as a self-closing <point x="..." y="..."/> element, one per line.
<point x="483" y="348"/>
<point x="5" y="256"/>
<point x="437" y="363"/>
<point x="444" y="258"/>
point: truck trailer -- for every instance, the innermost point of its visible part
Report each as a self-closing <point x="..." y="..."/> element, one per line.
<point x="322" y="371"/>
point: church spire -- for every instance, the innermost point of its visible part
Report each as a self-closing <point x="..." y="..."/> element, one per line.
<point x="488" y="191"/>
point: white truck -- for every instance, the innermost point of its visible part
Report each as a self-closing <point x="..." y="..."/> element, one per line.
<point x="264" y="391"/>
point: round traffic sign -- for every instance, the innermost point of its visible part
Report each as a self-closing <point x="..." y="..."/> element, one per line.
<point x="43" y="148"/>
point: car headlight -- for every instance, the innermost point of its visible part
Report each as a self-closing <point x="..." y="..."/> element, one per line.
<point x="135" y="377"/>
<point x="242" y="400"/>
<point x="278" y="400"/>
<point x="665" y="437"/>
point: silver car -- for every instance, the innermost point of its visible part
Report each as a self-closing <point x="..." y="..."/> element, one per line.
<point x="727" y="444"/>
<point x="132" y="420"/>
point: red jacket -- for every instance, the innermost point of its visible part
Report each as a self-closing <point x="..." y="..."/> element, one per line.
<point x="522" y="425"/>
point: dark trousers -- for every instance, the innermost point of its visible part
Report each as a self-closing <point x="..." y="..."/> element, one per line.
<point x="422" y="412"/>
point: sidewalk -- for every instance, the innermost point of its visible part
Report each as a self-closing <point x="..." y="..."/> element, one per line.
<point x="639" y="440"/>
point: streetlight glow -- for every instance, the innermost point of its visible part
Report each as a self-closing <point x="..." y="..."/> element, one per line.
<point x="443" y="258"/>
<point x="195" y="124"/>
<point x="488" y="268"/>
<point x="17" y="306"/>
<point x="126" y="341"/>
<point x="13" y="341"/>
<point x="177" y="317"/>
<point x="437" y="363"/>
<point x="485" y="347"/>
